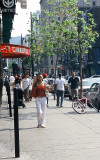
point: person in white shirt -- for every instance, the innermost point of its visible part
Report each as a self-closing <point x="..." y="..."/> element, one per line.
<point x="60" y="87"/>
<point x="45" y="80"/>
<point x="25" y="86"/>
<point x="12" y="79"/>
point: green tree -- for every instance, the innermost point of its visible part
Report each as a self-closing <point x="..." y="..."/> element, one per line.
<point x="84" y="36"/>
<point x="63" y="25"/>
<point x="53" y="29"/>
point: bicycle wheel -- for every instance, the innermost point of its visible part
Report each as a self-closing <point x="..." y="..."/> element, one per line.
<point x="79" y="107"/>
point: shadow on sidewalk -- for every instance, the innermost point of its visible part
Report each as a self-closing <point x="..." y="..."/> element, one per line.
<point x="7" y="158"/>
<point x="20" y="129"/>
<point x="88" y="112"/>
<point x="6" y="129"/>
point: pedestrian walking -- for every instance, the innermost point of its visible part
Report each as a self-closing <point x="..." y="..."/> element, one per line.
<point x="18" y="86"/>
<point x="30" y="86"/>
<point x="40" y="99"/>
<point x="46" y="83"/>
<point x="12" y="80"/>
<point x="18" y="83"/>
<point x="25" y="86"/>
<point x="74" y="85"/>
<point x="60" y="88"/>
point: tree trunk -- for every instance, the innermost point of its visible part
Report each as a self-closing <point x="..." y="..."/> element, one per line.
<point x="80" y="54"/>
<point x="56" y="72"/>
<point x="32" y="62"/>
<point x="81" y="86"/>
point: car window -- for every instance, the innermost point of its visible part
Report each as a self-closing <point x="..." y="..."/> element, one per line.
<point x="94" y="87"/>
<point x="87" y="83"/>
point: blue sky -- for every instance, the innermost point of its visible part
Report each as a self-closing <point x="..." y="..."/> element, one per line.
<point x="20" y="23"/>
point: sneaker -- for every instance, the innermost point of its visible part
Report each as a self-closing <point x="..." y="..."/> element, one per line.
<point x="61" y="106"/>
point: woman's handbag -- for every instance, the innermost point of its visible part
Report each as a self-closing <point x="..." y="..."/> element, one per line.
<point x="30" y="87"/>
<point x="47" y="87"/>
<point x="47" y="93"/>
<point x="33" y="93"/>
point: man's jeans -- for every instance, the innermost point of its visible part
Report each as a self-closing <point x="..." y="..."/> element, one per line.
<point x="60" y="93"/>
<point x="26" y="93"/>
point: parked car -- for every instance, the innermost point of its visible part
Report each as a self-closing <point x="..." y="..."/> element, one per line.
<point x="66" y="93"/>
<point x="94" y="94"/>
<point x="95" y="76"/>
<point x="86" y="86"/>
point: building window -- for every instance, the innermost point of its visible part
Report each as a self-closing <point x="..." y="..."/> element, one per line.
<point x="93" y="3"/>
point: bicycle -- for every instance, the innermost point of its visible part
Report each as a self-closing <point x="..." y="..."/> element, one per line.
<point x="80" y="105"/>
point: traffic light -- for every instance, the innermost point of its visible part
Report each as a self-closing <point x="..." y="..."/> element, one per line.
<point x="18" y="68"/>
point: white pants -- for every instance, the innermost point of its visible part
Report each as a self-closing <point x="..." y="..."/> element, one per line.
<point x="41" y="110"/>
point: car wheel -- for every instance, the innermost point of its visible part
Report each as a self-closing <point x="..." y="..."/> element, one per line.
<point x="70" y="97"/>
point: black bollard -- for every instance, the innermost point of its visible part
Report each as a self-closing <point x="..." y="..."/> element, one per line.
<point x="16" y="123"/>
<point x="9" y="101"/>
<point x="9" y="97"/>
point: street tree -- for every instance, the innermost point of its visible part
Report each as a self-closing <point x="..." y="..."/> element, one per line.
<point x="84" y="36"/>
<point x="53" y="29"/>
<point x="64" y="25"/>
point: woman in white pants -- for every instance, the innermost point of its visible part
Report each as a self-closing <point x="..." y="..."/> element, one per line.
<point x="41" y="111"/>
<point x="40" y="101"/>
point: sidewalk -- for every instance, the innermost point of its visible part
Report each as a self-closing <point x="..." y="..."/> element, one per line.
<point x="67" y="136"/>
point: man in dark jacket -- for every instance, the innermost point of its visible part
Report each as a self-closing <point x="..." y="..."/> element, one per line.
<point x="74" y="84"/>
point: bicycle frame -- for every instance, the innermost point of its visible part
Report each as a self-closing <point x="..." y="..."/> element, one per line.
<point x="80" y="105"/>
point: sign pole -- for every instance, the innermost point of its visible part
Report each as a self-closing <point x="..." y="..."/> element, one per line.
<point x="1" y="81"/>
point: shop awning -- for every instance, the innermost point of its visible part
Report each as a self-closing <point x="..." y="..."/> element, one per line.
<point x="14" y="51"/>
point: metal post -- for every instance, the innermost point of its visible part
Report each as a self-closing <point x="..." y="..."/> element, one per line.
<point x="1" y="81"/>
<point x="32" y="61"/>
<point x="9" y="101"/>
<point x="9" y="96"/>
<point x="16" y="124"/>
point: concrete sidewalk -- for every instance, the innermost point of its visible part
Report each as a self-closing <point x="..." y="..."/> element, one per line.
<point x="67" y="136"/>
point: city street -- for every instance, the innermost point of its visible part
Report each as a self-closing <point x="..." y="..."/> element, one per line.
<point x="67" y="136"/>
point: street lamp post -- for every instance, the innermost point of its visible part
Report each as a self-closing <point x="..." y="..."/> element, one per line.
<point x="32" y="61"/>
<point x="1" y="81"/>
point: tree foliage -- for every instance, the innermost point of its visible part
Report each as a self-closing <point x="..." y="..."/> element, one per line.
<point x="64" y="25"/>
